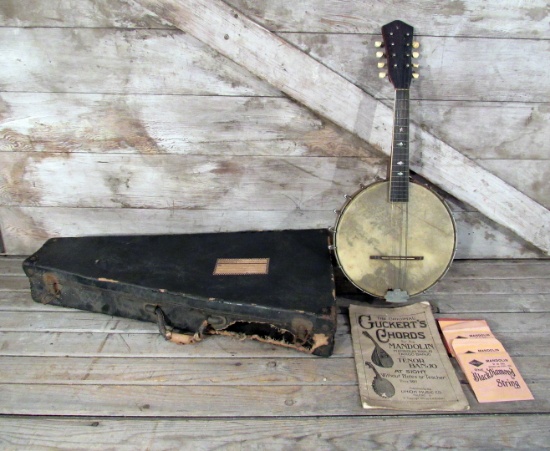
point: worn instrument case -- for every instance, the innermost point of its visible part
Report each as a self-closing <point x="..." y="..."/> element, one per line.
<point x="271" y="286"/>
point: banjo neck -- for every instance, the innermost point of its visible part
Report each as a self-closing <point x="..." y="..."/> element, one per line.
<point x="399" y="170"/>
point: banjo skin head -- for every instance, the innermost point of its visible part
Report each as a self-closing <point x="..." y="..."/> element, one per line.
<point x="385" y="246"/>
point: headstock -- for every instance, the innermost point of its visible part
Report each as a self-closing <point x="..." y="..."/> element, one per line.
<point x="399" y="50"/>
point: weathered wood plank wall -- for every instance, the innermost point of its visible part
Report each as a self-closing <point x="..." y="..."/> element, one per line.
<point x="111" y="121"/>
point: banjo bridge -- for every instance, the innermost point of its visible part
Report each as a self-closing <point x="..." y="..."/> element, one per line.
<point x="396" y="257"/>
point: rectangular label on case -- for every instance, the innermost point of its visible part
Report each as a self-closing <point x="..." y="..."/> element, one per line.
<point x="241" y="266"/>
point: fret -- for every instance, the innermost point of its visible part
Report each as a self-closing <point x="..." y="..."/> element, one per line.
<point x="399" y="173"/>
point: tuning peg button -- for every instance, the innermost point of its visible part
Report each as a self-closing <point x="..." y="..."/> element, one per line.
<point x="382" y="74"/>
<point x="381" y="65"/>
<point x="378" y="44"/>
<point x="416" y="66"/>
<point x="415" y="75"/>
<point x="415" y="54"/>
<point x="415" y="44"/>
<point x="379" y="54"/>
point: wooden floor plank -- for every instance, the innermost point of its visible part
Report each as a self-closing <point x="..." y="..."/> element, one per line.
<point x="497" y="269"/>
<point x="63" y="331"/>
<point x="11" y="266"/>
<point x="492" y="286"/>
<point x="483" y="304"/>
<point x="92" y="345"/>
<point x="68" y="375"/>
<point x="14" y="283"/>
<point x="74" y="321"/>
<point x="324" y="433"/>
<point x="205" y="371"/>
<point x="217" y="401"/>
<point x="180" y="371"/>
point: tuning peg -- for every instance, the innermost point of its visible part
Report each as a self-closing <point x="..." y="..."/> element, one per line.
<point x="378" y="44"/>
<point x="416" y="66"/>
<point x="415" y="44"/>
<point x="379" y="54"/>
<point x="415" y="75"/>
<point x="381" y="65"/>
<point x="415" y="54"/>
<point x="382" y="74"/>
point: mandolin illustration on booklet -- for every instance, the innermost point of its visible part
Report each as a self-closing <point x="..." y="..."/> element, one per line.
<point x="401" y="361"/>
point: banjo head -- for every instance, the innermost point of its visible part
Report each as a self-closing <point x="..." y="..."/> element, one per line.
<point x="382" y="245"/>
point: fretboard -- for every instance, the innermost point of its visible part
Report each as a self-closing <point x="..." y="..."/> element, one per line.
<point x="399" y="175"/>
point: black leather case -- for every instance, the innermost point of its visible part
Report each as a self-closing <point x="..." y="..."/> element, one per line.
<point x="271" y="286"/>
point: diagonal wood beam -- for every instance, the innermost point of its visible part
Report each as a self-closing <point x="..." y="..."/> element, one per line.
<point x="327" y="93"/>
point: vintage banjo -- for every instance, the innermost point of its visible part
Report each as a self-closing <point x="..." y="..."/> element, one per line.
<point x="395" y="238"/>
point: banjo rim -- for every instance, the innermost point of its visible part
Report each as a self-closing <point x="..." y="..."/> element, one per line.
<point x="350" y="201"/>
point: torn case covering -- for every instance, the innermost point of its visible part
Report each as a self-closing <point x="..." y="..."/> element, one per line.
<point x="271" y="286"/>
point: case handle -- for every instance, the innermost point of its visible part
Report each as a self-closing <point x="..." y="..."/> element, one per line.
<point x="175" y="337"/>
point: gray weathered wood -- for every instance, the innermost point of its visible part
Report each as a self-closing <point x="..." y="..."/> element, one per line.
<point x="10" y="266"/>
<point x="25" y="229"/>
<point x="237" y="126"/>
<point x="451" y="68"/>
<point x="122" y="376"/>
<point x="171" y="124"/>
<point x="119" y="62"/>
<point x="499" y="269"/>
<point x="496" y="19"/>
<point x="128" y="115"/>
<point x="185" y="372"/>
<point x="332" y="96"/>
<point x="218" y="401"/>
<point x="74" y="321"/>
<point x="531" y="175"/>
<point x="84" y="13"/>
<point x="514" y="431"/>
<point x="250" y="126"/>
<point x="488" y="130"/>
<point x="113" y="344"/>
<point x="169" y="62"/>
<point x="84" y="334"/>
<point x="168" y="181"/>
<point x="492" y="286"/>
<point x="222" y="372"/>
<point x="14" y="284"/>
<point x="482" y="303"/>
<point x="116" y="344"/>
<point x="479" y="237"/>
